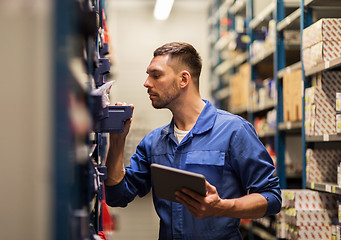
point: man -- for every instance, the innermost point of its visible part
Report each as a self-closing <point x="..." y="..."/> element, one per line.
<point x="221" y="146"/>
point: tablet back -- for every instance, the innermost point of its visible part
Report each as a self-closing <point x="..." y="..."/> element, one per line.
<point x="168" y="180"/>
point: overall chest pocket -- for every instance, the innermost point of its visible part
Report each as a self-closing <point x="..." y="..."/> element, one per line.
<point x="209" y="163"/>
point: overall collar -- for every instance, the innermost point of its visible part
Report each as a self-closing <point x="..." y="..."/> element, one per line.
<point x="204" y="122"/>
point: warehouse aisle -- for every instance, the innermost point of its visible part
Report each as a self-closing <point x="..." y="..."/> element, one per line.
<point x="137" y="221"/>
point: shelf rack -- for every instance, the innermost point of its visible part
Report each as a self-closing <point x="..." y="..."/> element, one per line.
<point x="78" y="151"/>
<point x="288" y="15"/>
<point x="308" y="7"/>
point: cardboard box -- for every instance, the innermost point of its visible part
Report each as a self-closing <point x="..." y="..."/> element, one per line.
<point x="322" y="164"/>
<point x="320" y="233"/>
<point x="307" y="59"/>
<point x="321" y="52"/>
<point x="240" y="87"/>
<point x="308" y="224"/>
<point x="292" y="96"/>
<point x="306" y="214"/>
<point x="320" y="100"/>
<point x="325" y="29"/>
<point x="330" y="82"/>
<point x="304" y="199"/>
<point x="281" y="231"/>
<point x="338" y="101"/>
<point x="321" y="42"/>
<point x="320" y="114"/>
<point x="309" y="219"/>
<point x="338" y="123"/>
<point x="325" y="51"/>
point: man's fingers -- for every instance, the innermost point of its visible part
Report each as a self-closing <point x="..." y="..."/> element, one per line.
<point x="192" y="194"/>
<point x="125" y="104"/>
<point x="210" y="188"/>
<point x="132" y="108"/>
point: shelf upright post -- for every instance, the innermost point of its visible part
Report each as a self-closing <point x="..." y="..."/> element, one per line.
<point x="249" y="17"/>
<point x="305" y="21"/>
<point x="62" y="144"/>
<point x="279" y="63"/>
<point x="218" y="26"/>
<point x="215" y="29"/>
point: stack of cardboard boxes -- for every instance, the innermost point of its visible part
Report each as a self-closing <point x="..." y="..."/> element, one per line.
<point x="337" y="227"/>
<point x="338" y="112"/>
<point x="321" y="42"/>
<point x="321" y="165"/>
<point x="292" y="96"/>
<point x="240" y="87"/>
<point x="306" y="214"/>
<point x="320" y="111"/>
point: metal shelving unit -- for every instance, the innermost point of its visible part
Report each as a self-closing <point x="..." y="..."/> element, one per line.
<point x="222" y="27"/>
<point x="79" y="134"/>
<point x="287" y="15"/>
<point x="308" y="7"/>
<point x="284" y="58"/>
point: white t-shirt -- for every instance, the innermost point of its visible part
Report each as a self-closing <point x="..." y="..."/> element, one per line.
<point x="179" y="134"/>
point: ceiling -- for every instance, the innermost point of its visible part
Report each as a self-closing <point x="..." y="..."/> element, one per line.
<point x="190" y="4"/>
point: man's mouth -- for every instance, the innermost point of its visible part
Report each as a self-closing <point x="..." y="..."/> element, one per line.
<point x="151" y="94"/>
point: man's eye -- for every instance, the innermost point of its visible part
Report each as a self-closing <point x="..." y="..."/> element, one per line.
<point x="156" y="76"/>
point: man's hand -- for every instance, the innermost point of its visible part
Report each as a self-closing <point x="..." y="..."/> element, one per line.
<point x="114" y="161"/>
<point x="127" y="124"/>
<point x="200" y="206"/>
<point x="249" y="206"/>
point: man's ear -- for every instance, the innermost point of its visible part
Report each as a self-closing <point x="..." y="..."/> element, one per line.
<point x="185" y="78"/>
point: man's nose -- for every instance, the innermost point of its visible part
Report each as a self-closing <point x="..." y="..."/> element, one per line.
<point x="147" y="83"/>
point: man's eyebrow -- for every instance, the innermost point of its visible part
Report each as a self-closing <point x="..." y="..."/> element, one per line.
<point x="152" y="71"/>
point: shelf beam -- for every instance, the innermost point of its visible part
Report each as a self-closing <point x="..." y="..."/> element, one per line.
<point x="289" y="69"/>
<point x="290" y="126"/>
<point x="286" y="22"/>
<point x="328" y="65"/>
<point x="325" y="187"/>
<point x="262" y="56"/>
<point x="237" y="7"/>
<point x="254" y="23"/>
<point x="324" y="138"/>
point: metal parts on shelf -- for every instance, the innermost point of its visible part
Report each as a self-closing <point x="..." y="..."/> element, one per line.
<point x="112" y="119"/>
<point x="102" y="69"/>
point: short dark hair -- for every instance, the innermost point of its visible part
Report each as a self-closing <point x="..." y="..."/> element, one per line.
<point x="186" y="54"/>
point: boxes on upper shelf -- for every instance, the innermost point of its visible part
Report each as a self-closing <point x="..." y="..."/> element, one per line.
<point x="325" y="29"/>
<point x="292" y="96"/>
<point x="321" y="42"/>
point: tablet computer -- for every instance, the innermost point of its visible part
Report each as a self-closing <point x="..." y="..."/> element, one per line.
<point x="168" y="180"/>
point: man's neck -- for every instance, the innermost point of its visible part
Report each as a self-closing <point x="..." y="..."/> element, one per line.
<point x="186" y="115"/>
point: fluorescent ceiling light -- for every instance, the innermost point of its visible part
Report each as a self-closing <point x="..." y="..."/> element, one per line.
<point x="162" y="9"/>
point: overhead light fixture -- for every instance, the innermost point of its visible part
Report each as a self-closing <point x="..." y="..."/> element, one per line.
<point x="162" y="9"/>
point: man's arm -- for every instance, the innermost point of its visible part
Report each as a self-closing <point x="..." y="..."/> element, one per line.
<point x="114" y="162"/>
<point x="248" y="206"/>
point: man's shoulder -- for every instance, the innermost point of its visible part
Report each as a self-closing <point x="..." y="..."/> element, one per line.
<point x="158" y="132"/>
<point x="227" y="116"/>
<point x="232" y="121"/>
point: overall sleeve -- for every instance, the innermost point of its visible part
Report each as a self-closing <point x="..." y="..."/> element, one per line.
<point x="254" y="166"/>
<point x="137" y="180"/>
